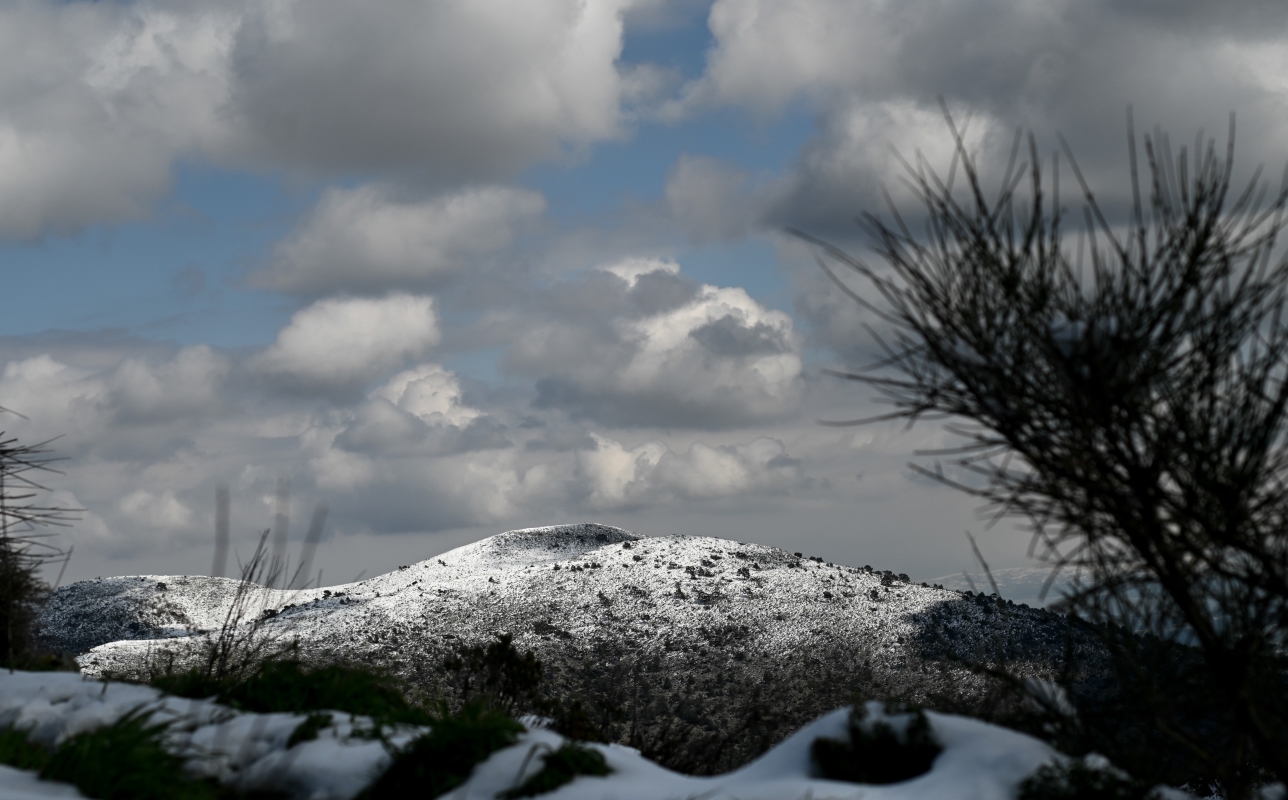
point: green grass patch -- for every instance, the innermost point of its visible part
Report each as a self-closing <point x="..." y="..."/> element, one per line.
<point x="124" y="761"/>
<point x="19" y="752"/>
<point x="561" y="766"/>
<point x="121" y="761"/>
<point x="443" y="759"/>
<point x="875" y="753"/>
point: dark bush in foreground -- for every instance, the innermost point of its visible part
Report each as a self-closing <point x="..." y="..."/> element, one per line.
<point x="560" y="767"/>
<point x="18" y="752"/>
<point x="24" y="551"/>
<point x="124" y="761"/>
<point x="875" y="752"/>
<point x="1123" y="389"/>
<point x="1077" y="781"/>
<point x="443" y="759"/>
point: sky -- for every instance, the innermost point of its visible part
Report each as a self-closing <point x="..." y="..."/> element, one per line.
<point x="451" y="268"/>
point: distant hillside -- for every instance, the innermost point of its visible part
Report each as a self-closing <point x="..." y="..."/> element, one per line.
<point x="712" y="647"/>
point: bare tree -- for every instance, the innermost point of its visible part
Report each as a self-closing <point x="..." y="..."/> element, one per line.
<point x="1122" y="390"/>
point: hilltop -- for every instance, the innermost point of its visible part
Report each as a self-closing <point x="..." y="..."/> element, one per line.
<point x="712" y="647"/>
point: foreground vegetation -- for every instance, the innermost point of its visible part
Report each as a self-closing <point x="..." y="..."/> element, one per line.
<point x="129" y="758"/>
<point x="1127" y="398"/>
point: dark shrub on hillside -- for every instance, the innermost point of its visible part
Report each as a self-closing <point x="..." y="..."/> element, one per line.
<point x="497" y="674"/>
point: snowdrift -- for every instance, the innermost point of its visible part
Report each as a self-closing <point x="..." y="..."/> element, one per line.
<point x="249" y="752"/>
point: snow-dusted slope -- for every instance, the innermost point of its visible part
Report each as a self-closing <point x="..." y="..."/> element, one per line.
<point x="251" y="752"/>
<point x="696" y="627"/>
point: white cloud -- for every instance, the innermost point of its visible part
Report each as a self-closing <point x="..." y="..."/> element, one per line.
<point x="618" y="477"/>
<point x="651" y="347"/>
<point x="463" y="88"/>
<point x="767" y="51"/>
<point x="60" y="398"/>
<point x="632" y="269"/>
<point x="722" y="339"/>
<point x="190" y="383"/>
<point x="98" y="101"/>
<point x="151" y="432"/>
<point x="429" y="392"/>
<point x="400" y="494"/>
<point x="873" y="72"/>
<point x="341" y="343"/>
<point x="161" y="511"/>
<point x="369" y="238"/>
<point x="858" y="158"/>
<point x="420" y="411"/>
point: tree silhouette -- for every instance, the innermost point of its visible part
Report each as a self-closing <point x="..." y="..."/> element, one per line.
<point x="1122" y="390"/>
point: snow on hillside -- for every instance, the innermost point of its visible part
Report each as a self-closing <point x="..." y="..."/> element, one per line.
<point x="702" y="628"/>
<point x="249" y="752"/>
<point x="559" y="583"/>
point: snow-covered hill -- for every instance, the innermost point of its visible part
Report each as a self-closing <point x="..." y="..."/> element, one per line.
<point x="700" y="629"/>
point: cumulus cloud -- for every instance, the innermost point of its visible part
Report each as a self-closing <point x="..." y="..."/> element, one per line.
<point x="455" y="89"/>
<point x="412" y="455"/>
<point x="61" y="396"/>
<point x="98" y="101"/>
<point x="399" y="495"/>
<point x="151" y="433"/>
<point x="421" y="411"/>
<point x="431" y="393"/>
<point x="163" y="511"/>
<point x="992" y="53"/>
<point x="650" y="347"/>
<point x="189" y="383"/>
<point x="371" y="239"/>
<point x="338" y="344"/>
<point x="860" y="156"/>
<point x="874" y="71"/>
<point x="619" y="477"/>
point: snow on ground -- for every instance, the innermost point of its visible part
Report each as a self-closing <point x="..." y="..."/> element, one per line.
<point x="249" y="752"/>
<point x="18" y="785"/>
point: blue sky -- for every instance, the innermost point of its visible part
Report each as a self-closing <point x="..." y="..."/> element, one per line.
<point x="458" y="267"/>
